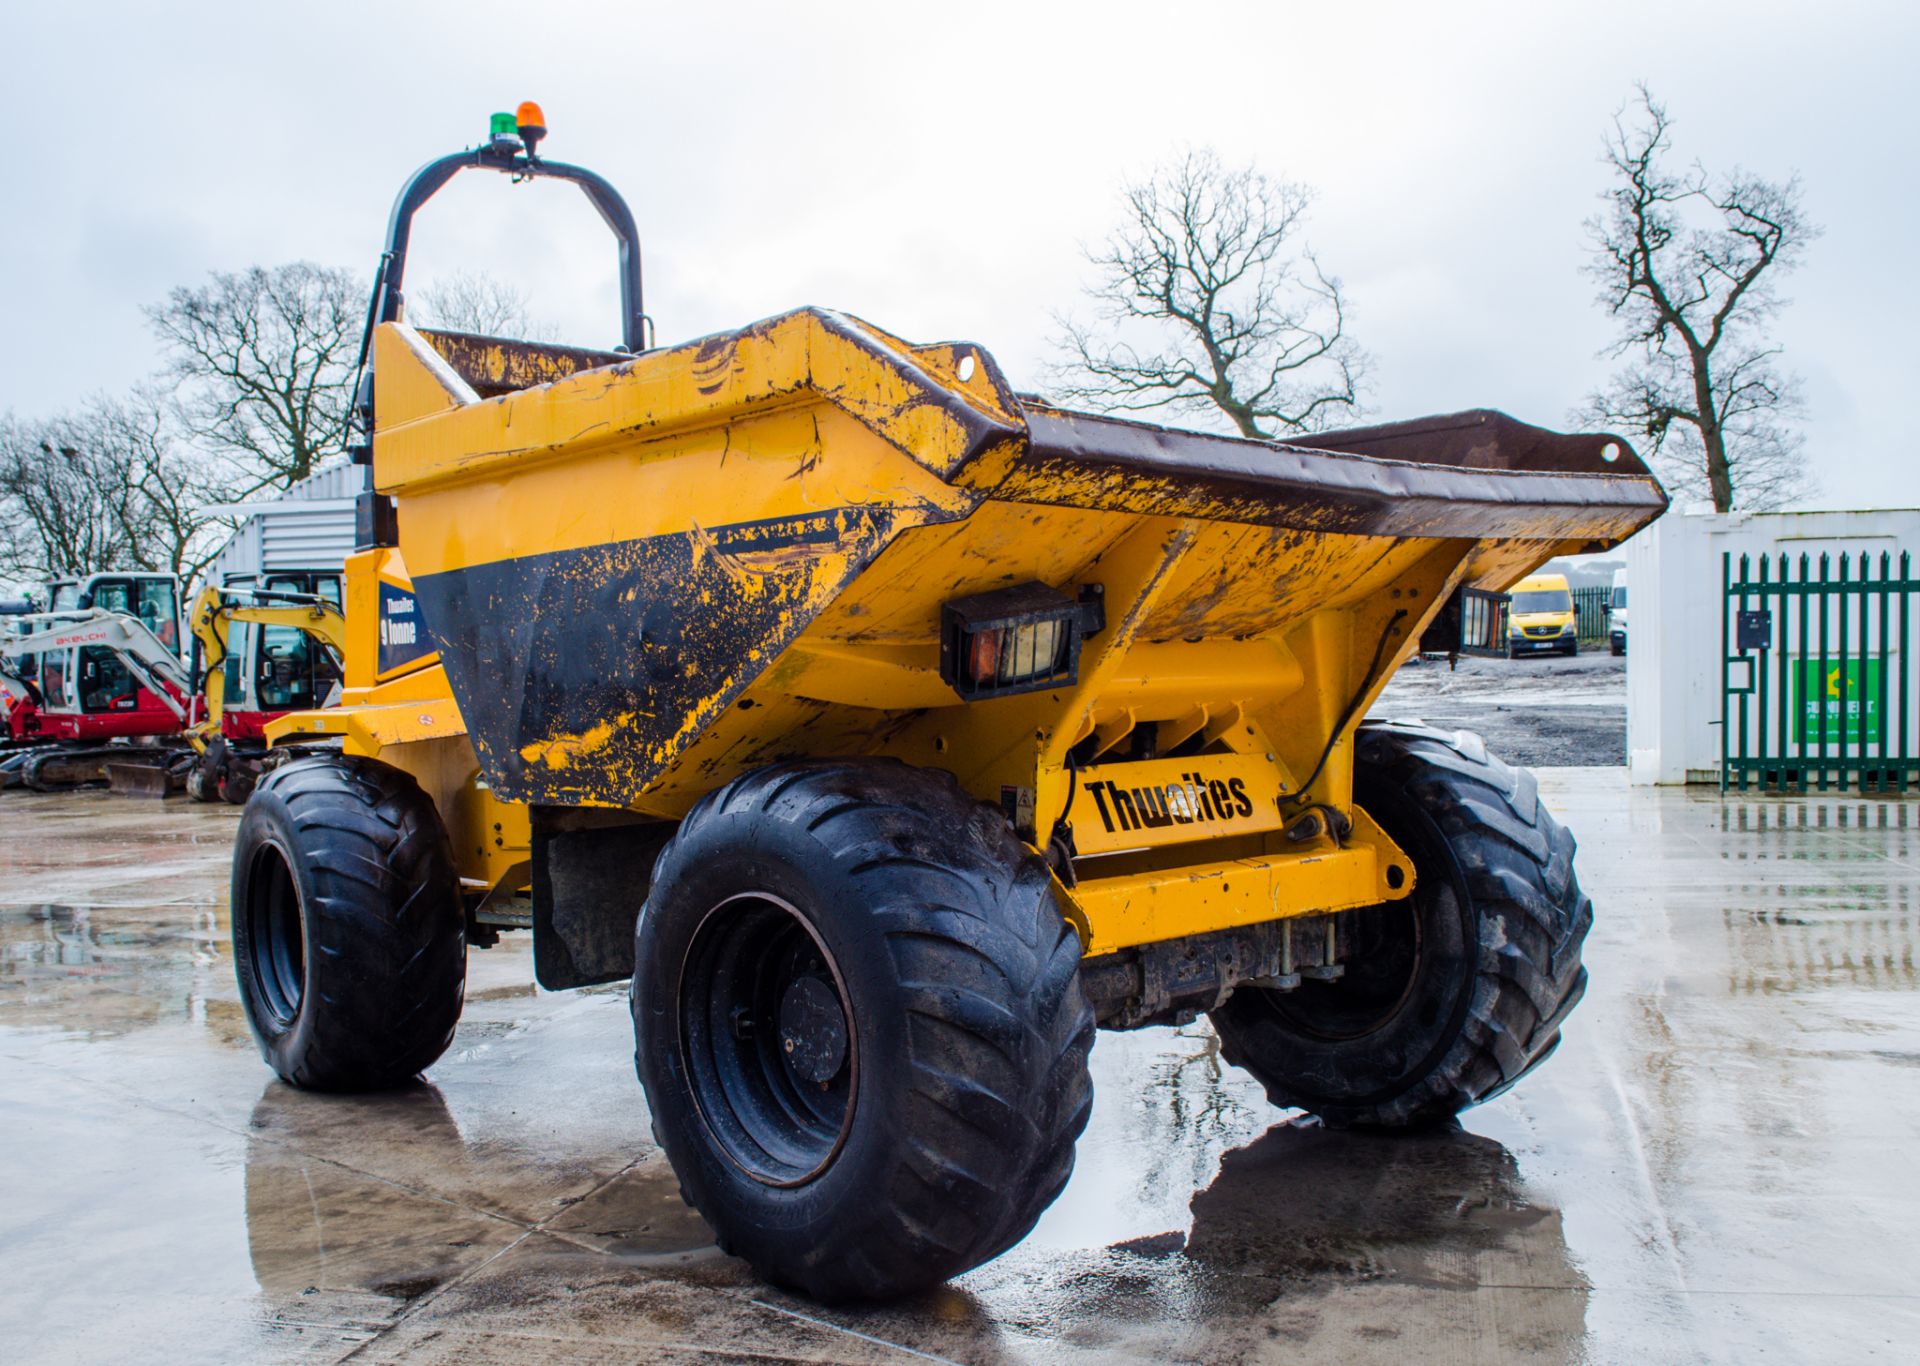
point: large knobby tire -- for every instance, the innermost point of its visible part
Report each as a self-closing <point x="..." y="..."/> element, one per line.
<point x="859" y="1022"/>
<point x="349" y="939"/>
<point x="1453" y="994"/>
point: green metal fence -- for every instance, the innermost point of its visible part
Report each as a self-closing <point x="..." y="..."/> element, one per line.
<point x="1818" y="674"/>
<point x="1590" y="612"/>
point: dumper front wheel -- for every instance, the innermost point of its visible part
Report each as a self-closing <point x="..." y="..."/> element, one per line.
<point x="859" y="1022"/>
<point x="1453" y="994"/>
<point x="349" y="939"/>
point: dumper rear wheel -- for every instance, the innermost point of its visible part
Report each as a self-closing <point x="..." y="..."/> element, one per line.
<point x="860" y="1026"/>
<point x="349" y="939"/>
<point x="1452" y="995"/>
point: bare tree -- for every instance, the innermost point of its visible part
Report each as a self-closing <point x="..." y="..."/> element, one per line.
<point x="473" y="301"/>
<point x="1688" y="263"/>
<point x="1204" y="304"/>
<point x="105" y="487"/>
<point x="258" y="366"/>
<point x="56" y="513"/>
<point x="171" y="513"/>
<point x="264" y="363"/>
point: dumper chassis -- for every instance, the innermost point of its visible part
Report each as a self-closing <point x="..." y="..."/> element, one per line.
<point x="890" y="733"/>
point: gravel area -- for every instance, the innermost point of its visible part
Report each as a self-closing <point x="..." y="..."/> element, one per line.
<point x="1543" y="712"/>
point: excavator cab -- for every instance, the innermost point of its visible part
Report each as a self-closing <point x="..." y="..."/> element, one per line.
<point x="89" y="690"/>
<point x="153" y="599"/>
<point x="260" y="650"/>
<point x="86" y="692"/>
<point x="273" y="668"/>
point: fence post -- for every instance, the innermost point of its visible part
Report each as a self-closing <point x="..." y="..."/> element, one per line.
<point x="1845" y="596"/>
<point x="1784" y="699"/>
<point x="1820" y="679"/>
<point x="1907" y="756"/>
<point x="1801" y="738"/>
<point x="1886" y="665"/>
<point x="1760" y="689"/>
<point x="1726" y="657"/>
<point x="1746" y="574"/>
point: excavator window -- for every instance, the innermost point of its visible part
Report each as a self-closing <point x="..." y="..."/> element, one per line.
<point x="154" y="602"/>
<point x="53" y="678"/>
<point x="284" y="681"/>
<point x="113" y="595"/>
<point x="239" y="651"/>
<point x="106" y="684"/>
<point x="238" y="639"/>
<point x="326" y="669"/>
<point x="295" y="671"/>
<point x="159" y="610"/>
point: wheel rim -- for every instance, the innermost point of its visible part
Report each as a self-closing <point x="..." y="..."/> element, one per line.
<point x="276" y="934"/>
<point x="1383" y="961"/>
<point x="771" y="1053"/>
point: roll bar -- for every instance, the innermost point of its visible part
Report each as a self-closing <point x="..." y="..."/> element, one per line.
<point x="509" y="156"/>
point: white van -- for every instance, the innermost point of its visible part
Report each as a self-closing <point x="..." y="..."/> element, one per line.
<point x="1617" y="613"/>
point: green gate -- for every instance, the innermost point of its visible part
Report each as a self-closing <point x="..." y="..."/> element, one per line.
<point x="1818" y="674"/>
<point x="1590" y="613"/>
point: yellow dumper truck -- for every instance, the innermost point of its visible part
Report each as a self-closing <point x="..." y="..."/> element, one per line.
<point x="891" y="731"/>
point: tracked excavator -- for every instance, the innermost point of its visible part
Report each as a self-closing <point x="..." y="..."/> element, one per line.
<point x="93" y="696"/>
<point x="230" y="749"/>
<point x="86" y="690"/>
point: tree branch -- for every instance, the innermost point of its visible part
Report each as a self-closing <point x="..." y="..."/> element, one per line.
<point x="1202" y="307"/>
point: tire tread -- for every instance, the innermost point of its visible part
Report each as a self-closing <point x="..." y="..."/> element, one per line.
<point x="1517" y="863"/>
<point x="383" y="917"/>
<point x="986" y="973"/>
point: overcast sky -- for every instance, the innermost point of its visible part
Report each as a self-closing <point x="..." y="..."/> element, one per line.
<point x="934" y="168"/>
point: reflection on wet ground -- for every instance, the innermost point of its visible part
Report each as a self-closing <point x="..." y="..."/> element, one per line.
<point x="1714" y="1167"/>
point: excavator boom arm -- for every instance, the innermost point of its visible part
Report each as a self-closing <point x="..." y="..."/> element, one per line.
<point x="214" y="613"/>
<point x="153" y="665"/>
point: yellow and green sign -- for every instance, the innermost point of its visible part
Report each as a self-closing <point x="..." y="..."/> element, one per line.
<point x="1839" y="702"/>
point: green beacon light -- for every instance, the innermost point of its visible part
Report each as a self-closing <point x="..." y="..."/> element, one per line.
<point x="502" y="125"/>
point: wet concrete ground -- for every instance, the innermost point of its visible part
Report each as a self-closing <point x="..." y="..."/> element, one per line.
<point x="1717" y="1166"/>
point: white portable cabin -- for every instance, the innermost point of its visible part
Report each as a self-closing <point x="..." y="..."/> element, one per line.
<point x="309" y="527"/>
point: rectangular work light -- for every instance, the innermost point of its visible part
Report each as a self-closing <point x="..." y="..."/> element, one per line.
<point x="1018" y="639"/>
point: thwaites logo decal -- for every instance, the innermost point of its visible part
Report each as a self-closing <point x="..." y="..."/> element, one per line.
<point x="403" y="636"/>
<point x="1172" y="801"/>
<point x="1190" y="800"/>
